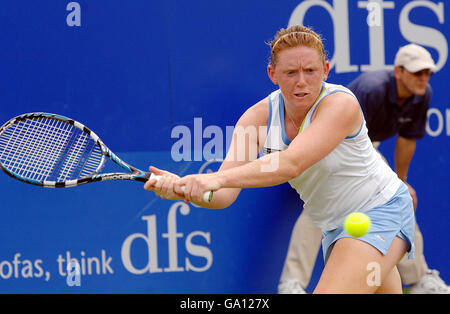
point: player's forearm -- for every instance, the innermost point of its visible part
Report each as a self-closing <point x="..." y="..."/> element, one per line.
<point x="269" y="170"/>
<point x="404" y="150"/>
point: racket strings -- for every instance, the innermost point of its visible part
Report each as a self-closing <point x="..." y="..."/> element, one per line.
<point x="47" y="149"/>
<point x="25" y="150"/>
<point x="82" y="158"/>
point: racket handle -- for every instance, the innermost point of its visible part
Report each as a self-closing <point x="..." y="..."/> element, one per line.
<point x="207" y="196"/>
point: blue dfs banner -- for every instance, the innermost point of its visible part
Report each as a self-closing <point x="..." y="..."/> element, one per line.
<point x="162" y="83"/>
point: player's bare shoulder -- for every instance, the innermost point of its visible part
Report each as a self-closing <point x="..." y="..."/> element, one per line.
<point x="253" y="123"/>
<point x="341" y="107"/>
<point x="339" y="101"/>
<point x="257" y="115"/>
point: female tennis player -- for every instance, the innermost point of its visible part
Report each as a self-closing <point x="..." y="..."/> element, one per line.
<point x="317" y="141"/>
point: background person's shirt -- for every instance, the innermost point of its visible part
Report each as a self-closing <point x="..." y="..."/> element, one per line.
<point x="385" y="117"/>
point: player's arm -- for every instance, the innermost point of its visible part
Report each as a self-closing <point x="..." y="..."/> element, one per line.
<point x="337" y="117"/>
<point x="248" y="138"/>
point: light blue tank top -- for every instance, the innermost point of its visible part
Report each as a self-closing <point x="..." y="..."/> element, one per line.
<point x="353" y="177"/>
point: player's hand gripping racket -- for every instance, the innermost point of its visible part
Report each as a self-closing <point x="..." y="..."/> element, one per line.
<point x="54" y="151"/>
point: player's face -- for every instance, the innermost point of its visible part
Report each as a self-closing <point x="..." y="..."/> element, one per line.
<point x="413" y="83"/>
<point x="299" y="72"/>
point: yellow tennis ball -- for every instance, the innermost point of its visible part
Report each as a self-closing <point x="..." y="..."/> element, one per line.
<point x="357" y="224"/>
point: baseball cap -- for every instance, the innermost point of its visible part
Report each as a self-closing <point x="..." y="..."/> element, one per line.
<point x="414" y="58"/>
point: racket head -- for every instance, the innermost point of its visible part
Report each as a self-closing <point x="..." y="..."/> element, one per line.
<point x="50" y="150"/>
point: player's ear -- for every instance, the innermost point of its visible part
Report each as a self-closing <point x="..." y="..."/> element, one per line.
<point x="271" y="73"/>
<point x="326" y="70"/>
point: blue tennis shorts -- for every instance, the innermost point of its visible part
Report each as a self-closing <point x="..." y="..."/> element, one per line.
<point x="394" y="218"/>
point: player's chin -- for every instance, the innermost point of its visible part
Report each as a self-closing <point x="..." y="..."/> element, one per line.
<point x="300" y="101"/>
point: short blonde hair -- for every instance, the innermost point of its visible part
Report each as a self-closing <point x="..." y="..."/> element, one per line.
<point x="295" y="36"/>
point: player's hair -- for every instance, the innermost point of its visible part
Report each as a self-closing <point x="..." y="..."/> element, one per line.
<point x="295" y="36"/>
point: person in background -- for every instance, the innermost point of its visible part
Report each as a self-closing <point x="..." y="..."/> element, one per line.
<point x="395" y="103"/>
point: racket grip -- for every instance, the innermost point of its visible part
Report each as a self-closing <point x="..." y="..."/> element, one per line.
<point x="207" y="196"/>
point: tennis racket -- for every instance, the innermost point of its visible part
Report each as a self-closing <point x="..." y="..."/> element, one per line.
<point x="54" y="151"/>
